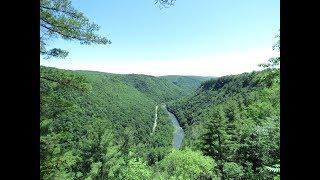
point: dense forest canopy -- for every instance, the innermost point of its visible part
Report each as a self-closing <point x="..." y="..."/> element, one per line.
<point x="76" y="117"/>
<point x="188" y="83"/>
<point x="236" y="121"/>
<point x="101" y="127"/>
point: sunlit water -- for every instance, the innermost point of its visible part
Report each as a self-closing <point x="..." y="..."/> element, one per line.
<point x="178" y="133"/>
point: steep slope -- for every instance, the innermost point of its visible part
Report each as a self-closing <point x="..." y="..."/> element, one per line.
<point x="97" y="124"/>
<point x="156" y="88"/>
<point x="220" y="90"/>
<point x="160" y="90"/>
<point x="235" y="119"/>
<point x="110" y="99"/>
<point x="125" y="100"/>
<point x="187" y="83"/>
<point x="80" y="110"/>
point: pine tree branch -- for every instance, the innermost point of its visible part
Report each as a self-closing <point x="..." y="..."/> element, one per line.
<point x="72" y="14"/>
<point x="62" y="34"/>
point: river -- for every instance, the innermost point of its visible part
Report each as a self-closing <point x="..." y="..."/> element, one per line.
<point x="178" y="132"/>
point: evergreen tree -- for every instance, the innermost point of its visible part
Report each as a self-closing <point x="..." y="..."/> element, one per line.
<point x="215" y="138"/>
<point x="58" y="18"/>
<point x="107" y="159"/>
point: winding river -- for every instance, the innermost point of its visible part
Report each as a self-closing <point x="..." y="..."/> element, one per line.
<point x="178" y="132"/>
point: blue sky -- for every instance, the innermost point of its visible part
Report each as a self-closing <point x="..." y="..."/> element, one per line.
<point x="203" y="37"/>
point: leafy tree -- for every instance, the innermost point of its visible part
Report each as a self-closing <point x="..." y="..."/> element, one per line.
<point x="243" y="111"/>
<point x="104" y="154"/>
<point x="217" y="139"/>
<point x="275" y="169"/>
<point x="53" y="157"/>
<point x="136" y="169"/>
<point x="94" y="172"/>
<point x="232" y="170"/>
<point x="187" y="164"/>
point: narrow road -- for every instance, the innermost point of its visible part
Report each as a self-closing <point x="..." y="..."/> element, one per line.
<point x="155" y="120"/>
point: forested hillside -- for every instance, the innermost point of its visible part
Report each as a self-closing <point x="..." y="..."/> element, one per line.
<point x="96" y="125"/>
<point x="99" y="126"/>
<point x="187" y="83"/>
<point x="160" y="90"/>
<point x="236" y="121"/>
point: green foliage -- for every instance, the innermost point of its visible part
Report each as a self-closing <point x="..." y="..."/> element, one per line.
<point x="136" y="170"/>
<point x="95" y="170"/>
<point x="187" y="83"/>
<point x="98" y="126"/>
<point x="158" y="89"/>
<point x="235" y="119"/>
<point x="161" y="141"/>
<point x="187" y="164"/>
<point x="92" y="124"/>
<point x="232" y="170"/>
<point x="275" y="170"/>
<point x="55" y="160"/>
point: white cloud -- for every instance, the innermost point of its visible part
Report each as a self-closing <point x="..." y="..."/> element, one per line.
<point x="213" y="65"/>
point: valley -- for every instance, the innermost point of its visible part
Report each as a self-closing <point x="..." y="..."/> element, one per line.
<point x="178" y="132"/>
<point x="91" y="120"/>
<point x="158" y="90"/>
